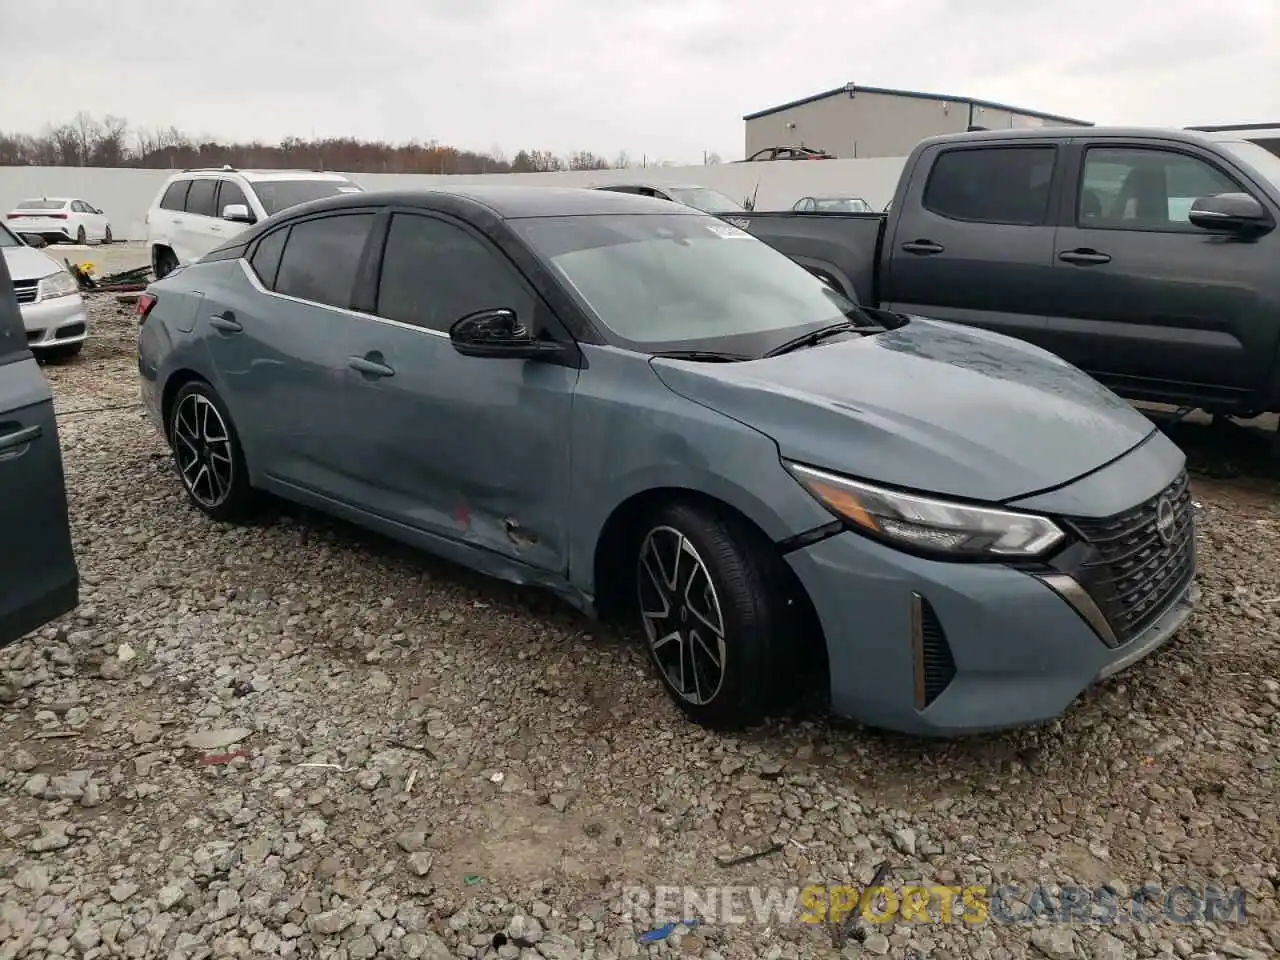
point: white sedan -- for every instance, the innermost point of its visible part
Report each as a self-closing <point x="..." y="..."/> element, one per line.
<point x="60" y="219"/>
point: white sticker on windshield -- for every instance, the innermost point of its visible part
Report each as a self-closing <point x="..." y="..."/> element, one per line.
<point x="728" y="231"/>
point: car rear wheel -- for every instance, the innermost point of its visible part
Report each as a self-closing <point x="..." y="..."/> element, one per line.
<point x="165" y="262"/>
<point x="80" y="236"/>
<point x="712" y="614"/>
<point x="206" y="450"/>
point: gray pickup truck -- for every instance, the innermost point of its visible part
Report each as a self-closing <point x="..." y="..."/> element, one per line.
<point x="1148" y="258"/>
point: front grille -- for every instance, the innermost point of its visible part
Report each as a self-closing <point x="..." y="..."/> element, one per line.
<point x="26" y="290"/>
<point x="1133" y="573"/>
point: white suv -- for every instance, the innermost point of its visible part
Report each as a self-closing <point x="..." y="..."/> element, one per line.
<point x="199" y="210"/>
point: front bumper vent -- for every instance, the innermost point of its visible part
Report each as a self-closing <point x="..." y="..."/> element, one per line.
<point x="934" y="665"/>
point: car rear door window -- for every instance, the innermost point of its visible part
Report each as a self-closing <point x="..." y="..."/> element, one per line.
<point x="434" y="273"/>
<point x="228" y="194"/>
<point x="1008" y="185"/>
<point x="321" y="258"/>
<point x="200" y="198"/>
<point x="1134" y="188"/>
<point x="175" y="198"/>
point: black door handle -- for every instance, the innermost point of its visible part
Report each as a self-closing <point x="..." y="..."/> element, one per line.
<point x="226" y="322"/>
<point x="371" y="365"/>
<point x="10" y="438"/>
<point x="1084" y="256"/>
<point x="923" y="247"/>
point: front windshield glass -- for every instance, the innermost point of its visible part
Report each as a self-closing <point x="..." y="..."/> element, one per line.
<point x="684" y="282"/>
<point x="701" y="198"/>
<point x="1261" y="159"/>
<point x="7" y="239"/>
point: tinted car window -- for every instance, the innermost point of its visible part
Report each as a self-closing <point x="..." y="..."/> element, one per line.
<point x="200" y="197"/>
<point x="1140" y="189"/>
<point x="175" y="198"/>
<point x="992" y="184"/>
<point x="266" y="258"/>
<point x="228" y="194"/>
<point x="435" y="273"/>
<point x="277" y="195"/>
<point x="321" y="258"/>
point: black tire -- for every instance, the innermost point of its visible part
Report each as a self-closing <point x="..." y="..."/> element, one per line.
<point x="61" y="353"/>
<point x="757" y="626"/>
<point x="80" y="236"/>
<point x="165" y="262"/>
<point x="222" y="491"/>
<point x="106" y="237"/>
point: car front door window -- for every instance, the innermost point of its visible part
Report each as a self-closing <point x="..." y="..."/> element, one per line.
<point x="1128" y="188"/>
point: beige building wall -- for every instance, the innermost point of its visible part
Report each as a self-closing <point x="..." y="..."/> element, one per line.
<point x="873" y="124"/>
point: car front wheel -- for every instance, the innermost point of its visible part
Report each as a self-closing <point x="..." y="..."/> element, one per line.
<point x="712" y="614"/>
<point x="206" y="450"/>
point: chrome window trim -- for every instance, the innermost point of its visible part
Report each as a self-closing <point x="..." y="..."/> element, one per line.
<point x="358" y="315"/>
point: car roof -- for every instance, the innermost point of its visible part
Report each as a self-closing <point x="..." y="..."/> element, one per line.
<point x="1066" y="132"/>
<point x="262" y="176"/>
<point x="507" y="201"/>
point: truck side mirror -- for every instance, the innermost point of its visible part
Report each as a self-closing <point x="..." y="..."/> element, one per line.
<point x="1237" y="213"/>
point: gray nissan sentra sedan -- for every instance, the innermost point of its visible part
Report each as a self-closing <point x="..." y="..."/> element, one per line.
<point x="657" y="416"/>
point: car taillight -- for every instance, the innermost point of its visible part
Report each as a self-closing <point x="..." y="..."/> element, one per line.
<point x="13" y="216"/>
<point x="56" y="216"/>
<point x="146" y="301"/>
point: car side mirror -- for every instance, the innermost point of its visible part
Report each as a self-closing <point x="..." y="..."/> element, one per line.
<point x="237" y="213"/>
<point x="499" y="333"/>
<point x="1237" y="213"/>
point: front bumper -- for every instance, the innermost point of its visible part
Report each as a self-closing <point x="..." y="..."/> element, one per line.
<point x="936" y="648"/>
<point x="55" y="322"/>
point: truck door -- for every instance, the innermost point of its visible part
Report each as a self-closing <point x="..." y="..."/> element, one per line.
<point x="973" y="240"/>
<point x="1144" y="300"/>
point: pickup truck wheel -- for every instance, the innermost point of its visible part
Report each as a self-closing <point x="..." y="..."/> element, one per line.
<point x="206" y="450"/>
<point x="711" y="614"/>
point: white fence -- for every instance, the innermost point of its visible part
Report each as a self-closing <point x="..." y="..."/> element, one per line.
<point x="125" y="195"/>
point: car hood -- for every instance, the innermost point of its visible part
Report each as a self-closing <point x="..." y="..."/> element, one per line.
<point x="28" y="263"/>
<point x="929" y="406"/>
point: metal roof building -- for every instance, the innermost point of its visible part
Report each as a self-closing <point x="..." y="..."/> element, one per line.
<point x="855" y="121"/>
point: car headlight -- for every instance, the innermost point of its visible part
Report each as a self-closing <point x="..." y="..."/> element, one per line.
<point x="916" y="522"/>
<point x="60" y="284"/>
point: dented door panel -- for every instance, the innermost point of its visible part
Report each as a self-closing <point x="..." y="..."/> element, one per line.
<point x="475" y="450"/>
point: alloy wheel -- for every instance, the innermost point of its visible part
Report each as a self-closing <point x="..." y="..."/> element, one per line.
<point x="682" y="616"/>
<point x="202" y="446"/>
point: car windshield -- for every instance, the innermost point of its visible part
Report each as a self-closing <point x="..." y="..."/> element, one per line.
<point x="277" y="195"/>
<point x="1261" y="159"/>
<point x="704" y="199"/>
<point x="7" y="239"/>
<point x="842" y="205"/>
<point x="662" y="282"/>
<point x="41" y="205"/>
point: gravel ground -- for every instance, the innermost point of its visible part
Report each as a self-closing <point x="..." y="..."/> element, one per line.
<point x="299" y="739"/>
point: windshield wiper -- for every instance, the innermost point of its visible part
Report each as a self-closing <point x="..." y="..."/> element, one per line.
<point x="814" y="337"/>
<point x="707" y="356"/>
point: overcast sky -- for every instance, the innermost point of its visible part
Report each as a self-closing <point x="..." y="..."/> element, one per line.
<point x="669" y="79"/>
